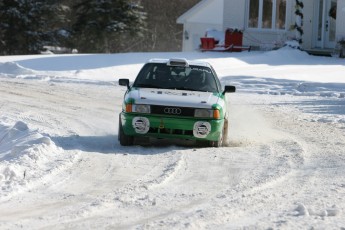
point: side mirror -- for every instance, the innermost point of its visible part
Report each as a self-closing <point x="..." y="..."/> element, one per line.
<point x="229" y="89"/>
<point x="124" y="82"/>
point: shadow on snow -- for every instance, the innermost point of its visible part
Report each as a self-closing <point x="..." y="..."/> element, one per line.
<point x="110" y="145"/>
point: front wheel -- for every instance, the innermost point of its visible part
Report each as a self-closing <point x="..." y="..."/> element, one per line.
<point x="223" y="137"/>
<point x="219" y="142"/>
<point x="226" y="133"/>
<point x="124" y="139"/>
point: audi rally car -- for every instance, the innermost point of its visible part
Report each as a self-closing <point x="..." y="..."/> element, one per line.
<point x="175" y="99"/>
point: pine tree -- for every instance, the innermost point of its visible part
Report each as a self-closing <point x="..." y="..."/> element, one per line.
<point x="25" y="25"/>
<point x="99" y="25"/>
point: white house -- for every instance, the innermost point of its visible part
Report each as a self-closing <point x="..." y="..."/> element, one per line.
<point x="267" y="23"/>
<point x="200" y="18"/>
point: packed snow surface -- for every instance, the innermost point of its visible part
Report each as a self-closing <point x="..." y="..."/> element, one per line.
<point x="61" y="166"/>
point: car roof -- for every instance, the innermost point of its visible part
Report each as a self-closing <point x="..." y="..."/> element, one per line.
<point x="179" y="62"/>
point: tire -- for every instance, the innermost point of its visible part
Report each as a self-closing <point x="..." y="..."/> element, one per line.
<point x="124" y="139"/>
<point x="223" y="137"/>
<point x="226" y="133"/>
<point x="218" y="143"/>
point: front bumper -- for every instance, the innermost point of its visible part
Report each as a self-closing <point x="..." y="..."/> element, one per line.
<point x="147" y="125"/>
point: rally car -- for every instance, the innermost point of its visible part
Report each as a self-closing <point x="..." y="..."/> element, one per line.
<point x="175" y="99"/>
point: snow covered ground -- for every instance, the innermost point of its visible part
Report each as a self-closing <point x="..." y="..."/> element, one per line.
<point x="61" y="165"/>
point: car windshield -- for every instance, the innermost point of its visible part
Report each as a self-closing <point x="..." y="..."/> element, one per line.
<point x="162" y="76"/>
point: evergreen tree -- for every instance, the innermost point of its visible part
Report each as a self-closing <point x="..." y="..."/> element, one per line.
<point x="99" y="25"/>
<point x="25" y="25"/>
<point x="60" y="24"/>
<point x="2" y="42"/>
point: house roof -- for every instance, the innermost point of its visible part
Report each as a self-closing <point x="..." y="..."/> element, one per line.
<point x="196" y="8"/>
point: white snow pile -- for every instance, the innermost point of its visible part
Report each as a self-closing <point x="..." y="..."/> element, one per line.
<point x="12" y="69"/>
<point x="26" y="156"/>
<point x="302" y="210"/>
<point x="293" y="44"/>
<point x="286" y="87"/>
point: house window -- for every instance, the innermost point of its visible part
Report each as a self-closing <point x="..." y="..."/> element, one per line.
<point x="253" y="21"/>
<point x="267" y="14"/>
<point x="280" y="14"/>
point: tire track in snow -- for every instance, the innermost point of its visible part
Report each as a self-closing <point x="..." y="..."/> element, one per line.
<point x="159" y="175"/>
<point x="137" y="193"/>
<point x="271" y="199"/>
<point x="131" y="194"/>
<point x="279" y="159"/>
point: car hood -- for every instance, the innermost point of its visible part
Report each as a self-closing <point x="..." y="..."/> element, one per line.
<point x="173" y="97"/>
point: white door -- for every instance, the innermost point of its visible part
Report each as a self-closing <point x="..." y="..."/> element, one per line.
<point x="325" y="27"/>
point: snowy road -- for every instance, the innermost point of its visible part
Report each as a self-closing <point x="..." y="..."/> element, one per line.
<point x="282" y="169"/>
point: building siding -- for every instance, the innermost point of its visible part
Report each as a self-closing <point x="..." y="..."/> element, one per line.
<point x="198" y="20"/>
<point x="234" y="14"/>
<point x="308" y="23"/>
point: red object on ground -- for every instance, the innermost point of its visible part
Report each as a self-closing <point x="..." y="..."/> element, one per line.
<point x="207" y="43"/>
<point x="235" y="38"/>
<point x="233" y="42"/>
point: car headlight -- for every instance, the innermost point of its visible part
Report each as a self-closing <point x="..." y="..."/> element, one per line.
<point x="207" y="113"/>
<point x="141" y="108"/>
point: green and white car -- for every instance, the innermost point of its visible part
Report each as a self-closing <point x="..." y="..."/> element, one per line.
<point x="175" y="99"/>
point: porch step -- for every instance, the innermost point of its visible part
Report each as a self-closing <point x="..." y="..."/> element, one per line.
<point x="320" y="52"/>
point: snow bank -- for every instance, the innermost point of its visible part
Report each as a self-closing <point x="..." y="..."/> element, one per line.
<point x="14" y="69"/>
<point x="286" y="63"/>
<point x="26" y="156"/>
<point x="286" y="87"/>
<point x="286" y="55"/>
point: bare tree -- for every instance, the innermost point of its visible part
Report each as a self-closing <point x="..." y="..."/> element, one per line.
<point x="163" y="33"/>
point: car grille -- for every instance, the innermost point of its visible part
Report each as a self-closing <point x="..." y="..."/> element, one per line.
<point x="171" y="131"/>
<point x="172" y="111"/>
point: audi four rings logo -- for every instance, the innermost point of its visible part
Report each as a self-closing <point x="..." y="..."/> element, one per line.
<point x="175" y="111"/>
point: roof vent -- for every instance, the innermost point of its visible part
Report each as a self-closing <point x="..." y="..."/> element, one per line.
<point x="178" y="62"/>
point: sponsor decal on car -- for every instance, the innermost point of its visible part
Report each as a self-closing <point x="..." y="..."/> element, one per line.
<point x="141" y="125"/>
<point x="201" y="129"/>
